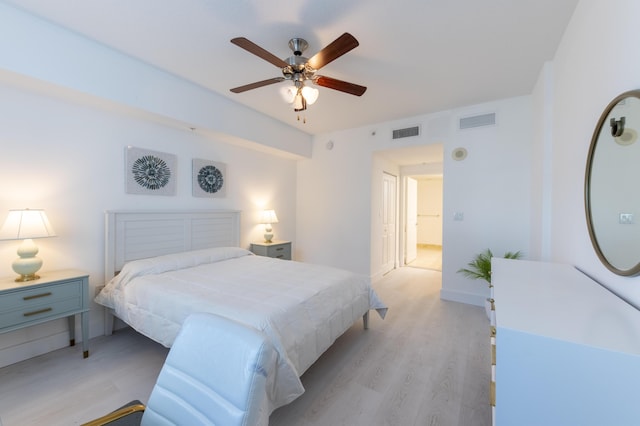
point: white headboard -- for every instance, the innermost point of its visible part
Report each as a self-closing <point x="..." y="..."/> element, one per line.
<point x="131" y="235"/>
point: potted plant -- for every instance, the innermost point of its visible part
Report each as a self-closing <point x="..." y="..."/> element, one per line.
<point x="480" y="269"/>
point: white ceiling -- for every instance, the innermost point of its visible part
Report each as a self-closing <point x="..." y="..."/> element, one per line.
<point x="415" y="56"/>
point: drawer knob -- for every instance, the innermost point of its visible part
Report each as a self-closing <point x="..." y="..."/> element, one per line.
<point x="39" y="311"/>
<point x="37" y="296"/>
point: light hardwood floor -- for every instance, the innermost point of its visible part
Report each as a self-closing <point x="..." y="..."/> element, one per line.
<point x="428" y="257"/>
<point x="427" y="363"/>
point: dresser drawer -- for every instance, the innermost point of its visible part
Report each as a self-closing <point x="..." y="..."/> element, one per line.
<point x="41" y="295"/>
<point x="43" y="310"/>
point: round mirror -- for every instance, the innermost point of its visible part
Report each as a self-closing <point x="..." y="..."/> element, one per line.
<point x="612" y="185"/>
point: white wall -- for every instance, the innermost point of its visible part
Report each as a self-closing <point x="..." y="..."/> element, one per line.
<point x="69" y="159"/>
<point x="594" y="63"/>
<point x="491" y="187"/>
<point x="335" y="201"/>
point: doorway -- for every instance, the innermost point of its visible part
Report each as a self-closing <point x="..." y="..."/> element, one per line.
<point x="423" y="222"/>
<point x="394" y="166"/>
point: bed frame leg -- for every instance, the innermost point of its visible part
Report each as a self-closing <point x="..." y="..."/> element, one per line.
<point x="108" y="322"/>
<point x="365" y="320"/>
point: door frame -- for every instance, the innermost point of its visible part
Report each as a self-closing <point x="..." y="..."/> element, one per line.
<point x="394" y="202"/>
<point x="410" y="253"/>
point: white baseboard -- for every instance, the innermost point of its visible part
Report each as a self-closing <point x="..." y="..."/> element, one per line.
<point x="26" y="350"/>
<point x="462" y="297"/>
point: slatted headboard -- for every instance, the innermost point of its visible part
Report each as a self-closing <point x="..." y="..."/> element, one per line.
<point x="131" y="235"/>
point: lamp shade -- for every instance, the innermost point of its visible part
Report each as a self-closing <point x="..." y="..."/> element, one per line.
<point x="269" y="216"/>
<point x="27" y="223"/>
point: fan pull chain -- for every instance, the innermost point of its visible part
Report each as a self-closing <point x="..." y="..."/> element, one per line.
<point x="304" y="119"/>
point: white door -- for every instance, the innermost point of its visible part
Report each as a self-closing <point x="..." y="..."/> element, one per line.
<point x="411" y="221"/>
<point x="388" y="222"/>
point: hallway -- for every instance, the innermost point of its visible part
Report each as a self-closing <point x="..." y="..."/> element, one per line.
<point x="428" y="257"/>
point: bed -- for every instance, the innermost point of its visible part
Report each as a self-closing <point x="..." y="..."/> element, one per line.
<point x="163" y="266"/>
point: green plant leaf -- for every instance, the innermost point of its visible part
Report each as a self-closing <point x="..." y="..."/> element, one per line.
<point x="480" y="267"/>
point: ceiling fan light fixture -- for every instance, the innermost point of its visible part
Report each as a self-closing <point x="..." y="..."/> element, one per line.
<point x="288" y="93"/>
<point x="299" y="69"/>
<point x="310" y="94"/>
<point x="299" y="103"/>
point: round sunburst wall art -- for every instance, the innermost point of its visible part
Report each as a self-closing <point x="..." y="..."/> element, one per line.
<point x="208" y="178"/>
<point x="150" y="172"/>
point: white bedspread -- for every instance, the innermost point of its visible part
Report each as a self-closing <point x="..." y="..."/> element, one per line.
<point x="303" y="308"/>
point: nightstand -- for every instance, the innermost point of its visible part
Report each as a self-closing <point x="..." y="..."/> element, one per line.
<point x="277" y="249"/>
<point x="57" y="294"/>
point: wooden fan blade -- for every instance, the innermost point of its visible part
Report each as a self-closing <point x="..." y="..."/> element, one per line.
<point x="333" y="51"/>
<point x="257" y="84"/>
<point x="251" y="47"/>
<point x="343" y="86"/>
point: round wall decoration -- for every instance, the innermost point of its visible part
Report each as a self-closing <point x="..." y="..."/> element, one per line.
<point x="151" y="172"/>
<point x="210" y="179"/>
<point x="459" y="154"/>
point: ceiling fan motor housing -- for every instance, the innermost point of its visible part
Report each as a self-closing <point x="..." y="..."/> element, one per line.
<point x="298" y="45"/>
<point x="298" y="69"/>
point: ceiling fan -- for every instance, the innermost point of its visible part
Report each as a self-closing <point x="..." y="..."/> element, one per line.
<point x="301" y="70"/>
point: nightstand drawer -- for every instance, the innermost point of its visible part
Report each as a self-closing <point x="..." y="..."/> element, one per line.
<point x="276" y="249"/>
<point x="281" y="251"/>
<point x="42" y="295"/>
<point x="48" y="309"/>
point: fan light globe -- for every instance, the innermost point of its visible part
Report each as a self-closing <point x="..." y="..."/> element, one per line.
<point x="288" y="93"/>
<point x="310" y="94"/>
<point x="298" y="103"/>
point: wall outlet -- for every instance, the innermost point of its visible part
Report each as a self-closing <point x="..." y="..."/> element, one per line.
<point x="626" y="218"/>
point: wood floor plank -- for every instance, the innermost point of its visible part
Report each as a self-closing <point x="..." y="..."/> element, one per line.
<point x="426" y="363"/>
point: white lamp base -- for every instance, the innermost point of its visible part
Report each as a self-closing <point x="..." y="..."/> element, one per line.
<point x="28" y="263"/>
<point x="268" y="234"/>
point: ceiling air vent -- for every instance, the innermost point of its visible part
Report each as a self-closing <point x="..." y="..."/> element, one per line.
<point x="406" y="133"/>
<point x="478" y="121"/>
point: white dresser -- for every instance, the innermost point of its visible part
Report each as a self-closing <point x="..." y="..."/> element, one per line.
<point x="567" y="349"/>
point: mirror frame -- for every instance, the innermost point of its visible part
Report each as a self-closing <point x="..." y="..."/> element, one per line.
<point x="635" y="270"/>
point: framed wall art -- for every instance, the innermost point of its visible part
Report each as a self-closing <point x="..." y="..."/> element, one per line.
<point x="150" y="172"/>
<point x="209" y="178"/>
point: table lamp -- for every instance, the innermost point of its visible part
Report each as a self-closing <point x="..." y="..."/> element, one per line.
<point x="268" y="217"/>
<point x="26" y="225"/>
